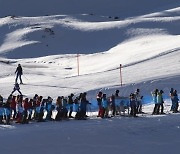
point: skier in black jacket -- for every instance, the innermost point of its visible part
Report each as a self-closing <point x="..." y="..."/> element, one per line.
<point x="19" y="72"/>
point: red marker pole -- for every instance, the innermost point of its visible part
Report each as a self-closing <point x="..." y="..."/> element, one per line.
<point x="78" y="63"/>
<point x="120" y="73"/>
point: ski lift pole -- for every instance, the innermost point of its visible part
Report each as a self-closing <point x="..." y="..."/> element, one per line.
<point x="120" y="74"/>
<point x="78" y="63"/>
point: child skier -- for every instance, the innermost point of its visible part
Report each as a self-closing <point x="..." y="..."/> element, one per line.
<point x="16" y="88"/>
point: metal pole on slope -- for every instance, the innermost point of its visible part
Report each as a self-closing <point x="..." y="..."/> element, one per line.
<point x="120" y="74"/>
<point x="78" y="63"/>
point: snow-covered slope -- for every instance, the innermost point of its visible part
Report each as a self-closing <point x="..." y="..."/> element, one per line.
<point x="45" y="36"/>
<point x="84" y="31"/>
<point x="147" y="46"/>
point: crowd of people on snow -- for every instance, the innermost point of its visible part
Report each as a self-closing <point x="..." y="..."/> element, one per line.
<point x="22" y="109"/>
<point x="159" y="101"/>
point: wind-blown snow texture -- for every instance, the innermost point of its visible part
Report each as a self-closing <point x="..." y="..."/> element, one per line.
<point x="46" y="36"/>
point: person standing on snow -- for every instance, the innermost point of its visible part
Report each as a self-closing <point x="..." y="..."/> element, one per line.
<point x="105" y="107"/>
<point x="70" y="103"/>
<point x="7" y="109"/>
<point x="117" y="102"/>
<point x="83" y="105"/>
<point x="49" y="108"/>
<point x="171" y="97"/>
<point x="175" y="100"/>
<point x="133" y="105"/>
<point x="139" y="100"/>
<point x="19" y="73"/>
<point x="113" y="105"/>
<point x="99" y="103"/>
<point x="160" y="102"/>
<point x="154" y="96"/>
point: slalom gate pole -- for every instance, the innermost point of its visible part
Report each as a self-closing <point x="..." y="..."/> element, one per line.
<point x="78" y="64"/>
<point x="120" y="74"/>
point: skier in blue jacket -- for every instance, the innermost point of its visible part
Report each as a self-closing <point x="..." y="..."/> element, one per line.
<point x="154" y="96"/>
<point x="105" y="106"/>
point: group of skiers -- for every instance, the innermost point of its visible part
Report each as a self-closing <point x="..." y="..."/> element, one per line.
<point x="116" y="105"/>
<point x="22" y="110"/>
<point x="175" y="100"/>
<point x="159" y="101"/>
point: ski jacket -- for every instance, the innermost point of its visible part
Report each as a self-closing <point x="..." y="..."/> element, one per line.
<point x="70" y="100"/>
<point x="25" y="105"/>
<point x="171" y="93"/>
<point x="7" y="111"/>
<point x="19" y="70"/>
<point x="19" y="108"/>
<point x="138" y="96"/>
<point x="7" y="105"/>
<point x="13" y="104"/>
<point x="175" y="98"/>
<point x="117" y="101"/>
<point x="38" y="103"/>
<point x="99" y="99"/>
<point x="133" y="102"/>
<point x="83" y="104"/>
<point x="16" y="86"/>
<point x="112" y="100"/>
<point x="59" y="103"/>
<point x="30" y="105"/>
<point x="64" y="104"/>
<point x="48" y="106"/>
<point x="104" y="103"/>
<point x="154" y="96"/>
<point x="159" y="98"/>
<point x="1" y="109"/>
<point x="76" y="107"/>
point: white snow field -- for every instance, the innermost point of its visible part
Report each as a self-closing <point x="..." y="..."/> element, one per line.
<point x="46" y="36"/>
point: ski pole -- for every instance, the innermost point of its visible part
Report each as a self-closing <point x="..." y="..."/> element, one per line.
<point x="25" y="77"/>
